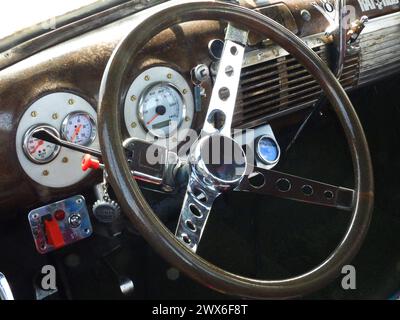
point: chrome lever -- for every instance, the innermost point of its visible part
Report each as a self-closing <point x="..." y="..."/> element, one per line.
<point x="5" y="290"/>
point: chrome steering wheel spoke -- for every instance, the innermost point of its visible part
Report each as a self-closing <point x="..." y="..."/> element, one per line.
<point x="223" y="99"/>
<point x="194" y="214"/>
<point x="283" y="185"/>
<point x="218" y="163"/>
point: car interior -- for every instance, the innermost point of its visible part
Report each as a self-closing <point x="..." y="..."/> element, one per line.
<point x="201" y="150"/>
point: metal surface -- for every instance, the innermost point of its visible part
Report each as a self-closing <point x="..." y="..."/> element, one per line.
<point x="93" y="133"/>
<point x="248" y="139"/>
<point x="141" y="109"/>
<point x="223" y="99"/>
<point x="278" y="184"/>
<point x="47" y="135"/>
<point x="380" y="45"/>
<point x="274" y="83"/>
<point x="5" y="290"/>
<point x="133" y="112"/>
<point x="261" y="156"/>
<point x="30" y="133"/>
<point x="74" y="227"/>
<point x="217" y="164"/>
<point x="340" y="37"/>
<point x="138" y="210"/>
<point x="73" y="58"/>
<point x="105" y="209"/>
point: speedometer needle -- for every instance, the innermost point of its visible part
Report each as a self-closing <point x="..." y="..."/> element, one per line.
<point x="152" y="119"/>
<point x="37" y="146"/>
<point x="76" y="132"/>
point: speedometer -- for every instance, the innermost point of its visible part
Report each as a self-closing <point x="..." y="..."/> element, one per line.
<point x="161" y="109"/>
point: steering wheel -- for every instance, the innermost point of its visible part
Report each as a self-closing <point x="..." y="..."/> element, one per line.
<point x="210" y="180"/>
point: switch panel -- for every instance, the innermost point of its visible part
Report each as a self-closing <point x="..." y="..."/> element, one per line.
<point x="59" y="224"/>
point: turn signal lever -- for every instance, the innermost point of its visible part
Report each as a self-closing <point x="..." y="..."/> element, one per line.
<point x="5" y="290"/>
<point x="148" y="162"/>
<point x="46" y="135"/>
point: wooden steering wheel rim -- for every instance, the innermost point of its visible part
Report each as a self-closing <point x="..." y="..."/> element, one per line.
<point x="140" y="213"/>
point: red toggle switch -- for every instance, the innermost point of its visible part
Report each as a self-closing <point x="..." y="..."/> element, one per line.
<point x="53" y="233"/>
<point x="89" y="163"/>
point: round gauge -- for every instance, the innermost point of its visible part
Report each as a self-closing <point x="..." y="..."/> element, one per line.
<point x="161" y="109"/>
<point x="268" y="150"/>
<point x="40" y="151"/>
<point x="79" y="127"/>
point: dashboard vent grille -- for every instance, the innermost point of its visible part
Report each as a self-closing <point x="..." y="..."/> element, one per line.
<point x="281" y="85"/>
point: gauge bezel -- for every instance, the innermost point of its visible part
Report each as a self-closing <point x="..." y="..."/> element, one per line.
<point x="260" y="157"/>
<point x="64" y="125"/>
<point x="28" y="134"/>
<point x="140" y="114"/>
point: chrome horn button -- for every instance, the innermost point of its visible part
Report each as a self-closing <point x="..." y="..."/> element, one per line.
<point x="219" y="162"/>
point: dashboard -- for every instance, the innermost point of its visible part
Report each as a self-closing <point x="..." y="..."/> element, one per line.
<point x="56" y="87"/>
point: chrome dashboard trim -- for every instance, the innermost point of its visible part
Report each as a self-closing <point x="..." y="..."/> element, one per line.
<point x="272" y="51"/>
<point x="379" y="48"/>
<point x="5" y="290"/>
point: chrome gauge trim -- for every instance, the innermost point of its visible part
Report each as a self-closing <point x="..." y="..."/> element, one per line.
<point x="260" y="156"/>
<point x="141" y="84"/>
<point x="140" y="111"/>
<point x="28" y="134"/>
<point x="92" y="122"/>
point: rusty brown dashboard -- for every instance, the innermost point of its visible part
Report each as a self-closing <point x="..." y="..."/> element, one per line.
<point x="72" y="59"/>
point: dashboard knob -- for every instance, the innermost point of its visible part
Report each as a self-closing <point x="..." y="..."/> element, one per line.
<point x="106" y="211"/>
<point x="88" y="162"/>
<point x="201" y="73"/>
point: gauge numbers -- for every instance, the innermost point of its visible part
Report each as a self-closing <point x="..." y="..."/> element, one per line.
<point x="161" y="109"/>
<point x="79" y="128"/>
<point x="40" y="151"/>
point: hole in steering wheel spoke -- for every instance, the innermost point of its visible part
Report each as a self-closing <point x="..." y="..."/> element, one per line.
<point x="195" y="211"/>
<point x="190" y="225"/>
<point x="256" y="180"/>
<point x="199" y="195"/>
<point x="185" y="238"/>
<point x="217" y="119"/>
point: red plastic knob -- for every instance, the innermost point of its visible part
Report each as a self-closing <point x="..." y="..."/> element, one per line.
<point x="89" y="163"/>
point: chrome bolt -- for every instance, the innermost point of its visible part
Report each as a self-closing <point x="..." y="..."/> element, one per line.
<point x="306" y="15"/>
<point x="75" y="220"/>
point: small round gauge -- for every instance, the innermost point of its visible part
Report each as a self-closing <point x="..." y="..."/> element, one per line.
<point x="268" y="150"/>
<point x="161" y="109"/>
<point x="40" y="151"/>
<point x="79" y="127"/>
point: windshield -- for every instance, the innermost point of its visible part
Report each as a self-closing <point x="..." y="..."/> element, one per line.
<point x="19" y="14"/>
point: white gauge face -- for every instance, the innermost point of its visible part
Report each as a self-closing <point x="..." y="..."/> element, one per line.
<point x="161" y="109"/>
<point x="40" y="151"/>
<point x="79" y="128"/>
